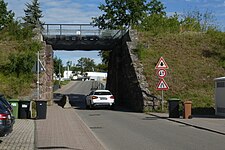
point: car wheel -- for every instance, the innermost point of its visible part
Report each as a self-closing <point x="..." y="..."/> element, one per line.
<point x="87" y="106"/>
<point x="91" y="106"/>
<point x="112" y="107"/>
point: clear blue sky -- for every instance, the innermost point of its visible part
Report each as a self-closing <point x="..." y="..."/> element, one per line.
<point x="81" y="11"/>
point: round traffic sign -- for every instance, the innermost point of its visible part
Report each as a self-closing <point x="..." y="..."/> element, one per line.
<point x="161" y="73"/>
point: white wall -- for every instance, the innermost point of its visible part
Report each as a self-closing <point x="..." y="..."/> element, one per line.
<point x="220" y="97"/>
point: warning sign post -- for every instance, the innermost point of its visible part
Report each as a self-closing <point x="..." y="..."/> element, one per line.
<point x="161" y="64"/>
<point x="162" y="85"/>
<point x="161" y="67"/>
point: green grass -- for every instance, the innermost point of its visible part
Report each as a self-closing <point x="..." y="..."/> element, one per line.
<point x="194" y="60"/>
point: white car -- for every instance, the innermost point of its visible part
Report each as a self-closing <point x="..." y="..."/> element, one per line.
<point x="99" y="98"/>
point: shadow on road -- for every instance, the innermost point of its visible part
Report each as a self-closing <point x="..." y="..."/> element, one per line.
<point x="77" y="101"/>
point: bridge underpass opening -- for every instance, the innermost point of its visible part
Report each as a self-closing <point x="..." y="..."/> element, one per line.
<point x="74" y="56"/>
<point x="76" y="63"/>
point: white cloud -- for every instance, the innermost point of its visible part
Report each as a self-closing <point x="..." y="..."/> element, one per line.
<point x="60" y="11"/>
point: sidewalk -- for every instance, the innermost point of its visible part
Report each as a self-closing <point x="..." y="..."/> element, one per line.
<point x="22" y="137"/>
<point x="209" y="123"/>
<point x="63" y="129"/>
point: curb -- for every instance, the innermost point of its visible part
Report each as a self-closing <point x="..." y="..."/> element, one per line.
<point x="188" y="124"/>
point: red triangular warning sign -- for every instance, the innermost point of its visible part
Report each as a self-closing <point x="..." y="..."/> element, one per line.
<point x="161" y="64"/>
<point x="162" y="85"/>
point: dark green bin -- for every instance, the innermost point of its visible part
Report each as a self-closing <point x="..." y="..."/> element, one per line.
<point x="15" y="106"/>
<point x="174" y="108"/>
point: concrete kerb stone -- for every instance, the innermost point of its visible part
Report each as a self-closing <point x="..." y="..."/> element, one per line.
<point x="188" y="124"/>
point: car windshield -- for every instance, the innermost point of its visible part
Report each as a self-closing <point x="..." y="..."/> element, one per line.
<point x="102" y="93"/>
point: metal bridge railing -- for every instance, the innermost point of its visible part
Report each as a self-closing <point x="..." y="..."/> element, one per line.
<point x="79" y="30"/>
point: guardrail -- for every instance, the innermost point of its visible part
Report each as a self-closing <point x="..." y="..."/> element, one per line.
<point x="80" y="30"/>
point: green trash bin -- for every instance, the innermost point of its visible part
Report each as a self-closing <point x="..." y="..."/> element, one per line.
<point x="15" y="106"/>
<point x="174" y="108"/>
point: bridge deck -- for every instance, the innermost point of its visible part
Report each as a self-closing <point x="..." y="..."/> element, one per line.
<point x="80" y="37"/>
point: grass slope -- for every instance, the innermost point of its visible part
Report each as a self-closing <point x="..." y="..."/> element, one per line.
<point x="194" y="60"/>
<point x="11" y="84"/>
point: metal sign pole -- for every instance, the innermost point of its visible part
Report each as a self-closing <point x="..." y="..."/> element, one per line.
<point x="162" y="101"/>
<point x="38" y="85"/>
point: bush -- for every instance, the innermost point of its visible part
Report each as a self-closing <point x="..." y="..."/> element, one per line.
<point x="160" y="24"/>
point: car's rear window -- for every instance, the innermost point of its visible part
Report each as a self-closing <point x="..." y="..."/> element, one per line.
<point x="102" y="93"/>
<point x="3" y="108"/>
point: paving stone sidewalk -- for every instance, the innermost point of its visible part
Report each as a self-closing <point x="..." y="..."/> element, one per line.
<point x="63" y="129"/>
<point x="22" y="137"/>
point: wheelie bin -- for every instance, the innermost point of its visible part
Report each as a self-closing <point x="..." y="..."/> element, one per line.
<point x="187" y="110"/>
<point x="41" y="106"/>
<point x="174" y="108"/>
<point x="15" y="106"/>
<point x="24" y="109"/>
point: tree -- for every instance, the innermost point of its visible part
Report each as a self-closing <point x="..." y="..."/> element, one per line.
<point x="157" y="23"/>
<point x="20" y="63"/>
<point x="197" y="21"/>
<point x="86" y="64"/>
<point x="121" y="14"/>
<point x="104" y="56"/>
<point x="156" y="7"/>
<point x="6" y="16"/>
<point x="33" y="14"/>
<point x="102" y="67"/>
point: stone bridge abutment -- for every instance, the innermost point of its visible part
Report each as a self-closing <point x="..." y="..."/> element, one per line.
<point x="125" y="74"/>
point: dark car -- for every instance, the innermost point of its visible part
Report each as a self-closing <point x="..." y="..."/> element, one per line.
<point x="6" y="118"/>
<point x="7" y="104"/>
<point x="6" y="121"/>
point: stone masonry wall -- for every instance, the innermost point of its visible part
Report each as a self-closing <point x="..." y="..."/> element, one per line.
<point x="125" y="75"/>
<point x="46" y="77"/>
<point x="46" y="83"/>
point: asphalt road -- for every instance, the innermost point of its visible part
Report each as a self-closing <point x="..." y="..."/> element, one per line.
<point x="124" y="130"/>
